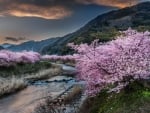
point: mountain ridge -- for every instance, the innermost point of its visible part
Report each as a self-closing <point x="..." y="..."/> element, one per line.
<point x="104" y="27"/>
<point x="1" y="48"/>
<point x="107" y="26"/>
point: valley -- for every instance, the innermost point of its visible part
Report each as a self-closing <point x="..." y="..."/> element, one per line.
<point x="101" y="67"/>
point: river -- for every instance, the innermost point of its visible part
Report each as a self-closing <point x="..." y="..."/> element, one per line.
<point x="26" y="100"/>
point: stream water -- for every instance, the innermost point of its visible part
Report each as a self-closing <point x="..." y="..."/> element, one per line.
<point x="26" y="100"/>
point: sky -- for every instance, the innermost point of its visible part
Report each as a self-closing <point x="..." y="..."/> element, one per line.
<point x="23" y="20"/>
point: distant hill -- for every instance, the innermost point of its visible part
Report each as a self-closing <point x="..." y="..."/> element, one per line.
<point x="32" y="45"/>
<point x="1" y="48"/>
<point x="6" y="45"/>
<point x="104" y="27"/>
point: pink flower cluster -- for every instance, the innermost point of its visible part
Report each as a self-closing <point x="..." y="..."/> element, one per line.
<point x="116" y="63"/>
<point x="8" y="58"/>
<point x="56" y="57"/>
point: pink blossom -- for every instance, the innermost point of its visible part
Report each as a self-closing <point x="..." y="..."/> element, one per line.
<point x="56" y="57"/>
<point x="119" y="61"/>
<point x="8" y="58"/>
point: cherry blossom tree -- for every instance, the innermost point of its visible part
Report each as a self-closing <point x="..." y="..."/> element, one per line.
<point x="56" y="58"/>
<point x="8" y="58"/>
<point x="115" y="63"/>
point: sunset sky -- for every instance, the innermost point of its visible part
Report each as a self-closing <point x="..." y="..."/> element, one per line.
<point x="23" y="20"/>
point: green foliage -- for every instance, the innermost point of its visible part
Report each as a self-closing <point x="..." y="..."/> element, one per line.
<point x="104" y="35"/>
<point x="143" y="28"/>
<point x="135" y="98"/>
<point x="66" y="50"/>
<point x="21" y="69"/>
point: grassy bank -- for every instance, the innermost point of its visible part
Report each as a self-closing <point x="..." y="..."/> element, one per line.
<point x="135" y="98"/>
<point x="15" y="78"/>
<point x="52" y="106"/>
<point x="11" y="85"/>
<point x="54" y="70"/>
<point x="21" y="69"/>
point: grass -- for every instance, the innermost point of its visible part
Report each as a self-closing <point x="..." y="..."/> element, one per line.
<point x="53" y="106"/>
<point x="22" y="69"/>
<point x="45" y="74"/>
<point x="135" y="98"/>
<point x="69" y="63"/>
<point x="11" y="85"/>
<point x="72" y="95"/>
<point x="15" y="78"/>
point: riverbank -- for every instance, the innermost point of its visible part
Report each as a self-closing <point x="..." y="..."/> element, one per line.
<point x="135" y="98"/>
<point x="41" y="90"/>
<point x="10" y="83"/>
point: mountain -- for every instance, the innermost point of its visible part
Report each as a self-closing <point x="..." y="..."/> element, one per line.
<point x="33" y="45"/>
<point x="6" y="45"/>
<point x="1" y="48"/>
<point x="104" y="27"/>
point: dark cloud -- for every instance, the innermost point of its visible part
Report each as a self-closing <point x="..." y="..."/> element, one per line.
<point x="75" y="14"/>
<point x="48" y="2"/>
<point x="114" y="3"/>
<point x="48" y="9"/>
<point x="52" y="9"/>
<point x="14" y="39"/>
